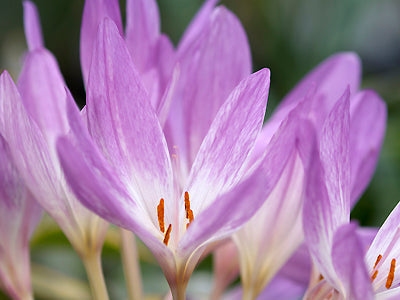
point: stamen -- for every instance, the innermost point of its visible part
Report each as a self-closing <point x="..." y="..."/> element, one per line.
<point x="377" y="260"/>
<point x="167" y="234"/>
<point x="390" y="277"/>
<point x="189" y="212"/>
<point x="160" y="214"/>
<point x="374" y="276"/>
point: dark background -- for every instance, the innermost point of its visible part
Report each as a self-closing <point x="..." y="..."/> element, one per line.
<point x="288" y="36"/>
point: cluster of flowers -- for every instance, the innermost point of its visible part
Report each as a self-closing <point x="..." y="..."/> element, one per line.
<point x="171" y="146"/>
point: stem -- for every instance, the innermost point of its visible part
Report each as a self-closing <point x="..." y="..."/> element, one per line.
<point x="130" y="261"/>
<point x="92" y="263"/>
<point x="179" y="293"/>
<point x="248" y="294"/>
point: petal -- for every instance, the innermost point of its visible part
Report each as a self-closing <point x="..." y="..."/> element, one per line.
<point x="348" y="260"/>
<point x="19" y="215"/>
<point x="142" y="31"/>
<point x="330" y="79"/>
<point x="209" y="72"/>
<point x="33" y="31"/>
<point x="283" y="289"/>
<point x="231" y="210"/>
<point x="197" y="24"/>
<point x="123" y="123"/>
<point x="42" y="89"/>
<point x="94" y="12"/>
<point x="219" y="162"/>
<point x="326" y="205"/>
<point x="368" y="125"/>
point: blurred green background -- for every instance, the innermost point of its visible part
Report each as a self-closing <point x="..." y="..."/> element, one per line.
<point x="288" y="36"/>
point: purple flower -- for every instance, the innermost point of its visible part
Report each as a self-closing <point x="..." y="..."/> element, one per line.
<point x="33" y="116"/>
<point x="19" y="215"/>
<point x="130" y="180"/>
<point x="263" y="252"/>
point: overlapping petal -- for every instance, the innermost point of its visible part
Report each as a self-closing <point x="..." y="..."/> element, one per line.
<point x="33" y="30"/>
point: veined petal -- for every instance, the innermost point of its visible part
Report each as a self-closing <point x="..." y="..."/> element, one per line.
<point x="42" y="89"/>
<point x="384" y="248"/>
<point x="19" y="215"/>
<point x="94" y="12"/>
<point x="142" y="31"/>
<point x="368" y="124"/>
<point x="326" y="205"/>
<point x="232" y="209"/>
<point x="231" y="137"/>
<point x="210" y="70"/>
<point x="33" y="31"/>
<point x="348" y="260"/>
<point x="124" y="125"/>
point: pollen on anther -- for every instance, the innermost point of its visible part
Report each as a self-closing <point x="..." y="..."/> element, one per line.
<point x="377" y="260"/>
<point x="167" y="234"/>
<point x="390" y="277"/>
<point x="374" y="275"/>
<point x="160" y="215"/>
<point x="189" y="212"/>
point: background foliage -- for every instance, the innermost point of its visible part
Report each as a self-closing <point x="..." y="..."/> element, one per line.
<point x="288" y="36"/>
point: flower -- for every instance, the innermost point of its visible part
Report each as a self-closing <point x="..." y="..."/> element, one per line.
<point x="131" y="182"/>
<point x="33" y="116"/>
<point x="263" y="253"/>
<point x="19" y="215"/>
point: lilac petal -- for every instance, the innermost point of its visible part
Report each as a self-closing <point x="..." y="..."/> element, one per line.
<point x="386" y="244"/>
<point x="229" y="141"/>
<point x="231" y="210"/>
<point x="94" y="12"/>
<point x="326" y="205"/>
<point x="123" y="123"/>
<point x="197" y="24"/>
<point x="33" y="31"/>
<point x="42" y="89"/>
<point x="209" y="72"/>
<point x="283" y="289"/>
<point x="19" y="215"/>
<point x="142" y="31"/>
<point x="330" y="79"/>
<point x="368" y="124"/>
<point x="348" y="260"/>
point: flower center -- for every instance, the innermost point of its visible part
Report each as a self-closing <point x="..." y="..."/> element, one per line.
<point x="160" y="215"/>
<point x="390" y="277"/>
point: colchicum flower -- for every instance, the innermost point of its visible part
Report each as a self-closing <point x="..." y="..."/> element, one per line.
<point x="33" y="116"/>
<point x="336" y="250"/>
<point x="131" y="181"/>
<point x="19" y="215"/>
<point x="263" y="253"/>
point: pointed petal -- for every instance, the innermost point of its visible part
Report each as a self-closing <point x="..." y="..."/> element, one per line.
<point x="142" y="31"/>
<point x="94" y="12"/>
<point x="202" y="89"/>
<point x="326" y="205"/>
<point x="330" y="78"/>
<point x="231" y="210"/>
<point x="123" y="123"/>
<point x="348" y="260"/>
<point x="42" y="89"/>
<point x="229" y="141"/>
<point x="368" y="125"/>
<point x="33" y="31"/>
<point x="197" y="24"/>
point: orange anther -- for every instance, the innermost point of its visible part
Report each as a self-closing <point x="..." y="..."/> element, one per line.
<point x="377" y="260"/>
<point x="167" y="234"/>
<point x="390" y="277"/>
<point x="189" y="212"/>
<point x="160" y="214"/>
<point x="374" y="275"/>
